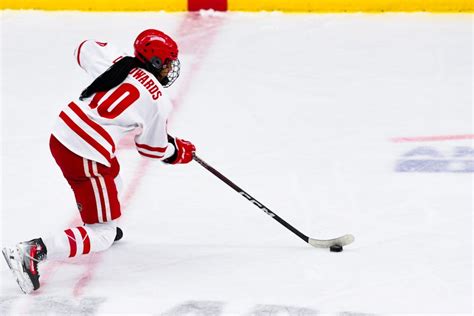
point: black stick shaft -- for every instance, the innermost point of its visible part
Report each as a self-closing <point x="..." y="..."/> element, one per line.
<point x="250" y="198"/>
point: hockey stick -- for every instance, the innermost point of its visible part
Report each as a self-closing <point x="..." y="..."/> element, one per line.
<point x="318" y="243"/>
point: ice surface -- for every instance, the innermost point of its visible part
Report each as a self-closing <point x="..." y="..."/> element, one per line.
<point x="300" y="111"/>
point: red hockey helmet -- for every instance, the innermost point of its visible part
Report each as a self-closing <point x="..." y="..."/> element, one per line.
<point x="157" y="51"/>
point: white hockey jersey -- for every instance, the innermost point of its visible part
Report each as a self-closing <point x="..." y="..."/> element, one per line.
<point x="93" y="127"/>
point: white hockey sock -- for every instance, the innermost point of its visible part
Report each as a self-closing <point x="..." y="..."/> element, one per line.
<point x="81" y="240"/>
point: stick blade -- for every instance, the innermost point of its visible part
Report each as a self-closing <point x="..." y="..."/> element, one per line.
<point x="326" y="243"/>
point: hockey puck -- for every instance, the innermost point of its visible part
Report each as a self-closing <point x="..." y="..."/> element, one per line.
<point x="119" y="234"/>
<point x="336" y="248"/>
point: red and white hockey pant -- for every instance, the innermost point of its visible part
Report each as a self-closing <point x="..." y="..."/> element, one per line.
<point x="93" y="184"/>
<point x="96" y="196"/>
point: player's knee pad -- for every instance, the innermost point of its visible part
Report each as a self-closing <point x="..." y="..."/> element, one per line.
<point x="102" y="235"/>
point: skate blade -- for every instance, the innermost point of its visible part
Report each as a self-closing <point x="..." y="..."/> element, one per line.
<point x="14" y="263"/>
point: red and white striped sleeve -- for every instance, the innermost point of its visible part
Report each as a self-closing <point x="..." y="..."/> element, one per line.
<point x="152" y="142"/>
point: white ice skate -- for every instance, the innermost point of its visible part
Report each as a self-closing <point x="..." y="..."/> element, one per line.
<point x="23" y="262"/>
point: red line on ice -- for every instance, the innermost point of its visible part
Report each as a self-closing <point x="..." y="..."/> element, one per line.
<point x="95" y="258"/>
<point x="432" y="138"/>
<point x="199" y="43"/>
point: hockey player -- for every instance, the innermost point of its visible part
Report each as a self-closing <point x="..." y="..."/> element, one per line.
<point x="126" y="94"/>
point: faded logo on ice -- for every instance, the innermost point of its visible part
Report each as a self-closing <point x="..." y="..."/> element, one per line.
<point x="456" y="159"/>
<point x="51" y="305"/>
<point x="54" y="305"/>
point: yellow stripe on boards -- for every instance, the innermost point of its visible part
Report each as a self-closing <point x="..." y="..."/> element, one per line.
<point x="97" y="5"/>
<point x="250" y="5"/>
<point x="352" y="6"/>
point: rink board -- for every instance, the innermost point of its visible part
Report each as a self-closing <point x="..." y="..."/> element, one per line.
<point x="248" y="5"/>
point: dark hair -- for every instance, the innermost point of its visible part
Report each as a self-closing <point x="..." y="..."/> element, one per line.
<point x="112" y="77"/>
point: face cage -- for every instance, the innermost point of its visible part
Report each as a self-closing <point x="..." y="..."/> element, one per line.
<point x="173" y="74"/>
